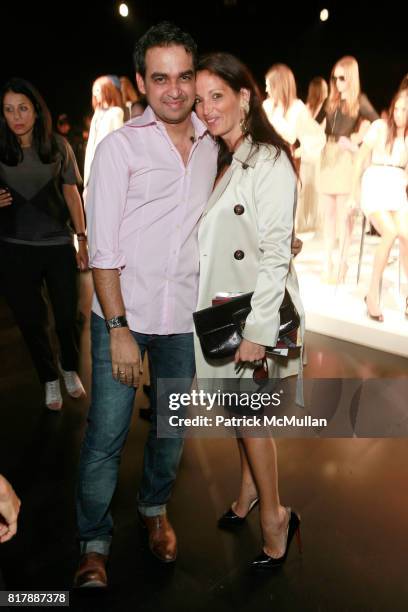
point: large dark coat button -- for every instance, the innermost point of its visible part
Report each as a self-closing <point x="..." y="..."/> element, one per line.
<point x="239" y="209"/>
<point x="239" y="255"/>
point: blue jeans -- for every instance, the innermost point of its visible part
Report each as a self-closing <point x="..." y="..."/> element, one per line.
<point x="109" y="419"/>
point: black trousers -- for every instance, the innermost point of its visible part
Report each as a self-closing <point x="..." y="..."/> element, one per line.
<point x="24" y="270"/>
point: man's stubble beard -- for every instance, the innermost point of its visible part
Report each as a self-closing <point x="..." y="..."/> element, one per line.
<point x="173" y="120"/>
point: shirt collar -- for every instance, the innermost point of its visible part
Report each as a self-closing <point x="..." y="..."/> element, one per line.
<point x="148" y="118"/>
<point x="198" y="125"/>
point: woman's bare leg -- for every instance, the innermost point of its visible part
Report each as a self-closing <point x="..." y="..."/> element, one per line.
<point x="262" y="458"/>
<point x="248" y="491"/>
<point x="329" y="208"/>
<point x="385" y="225"/>
<point x="346" y="231"/>
<point x="401" y="222"/>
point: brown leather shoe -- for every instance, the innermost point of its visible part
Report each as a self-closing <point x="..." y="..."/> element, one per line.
<point x="162" y="538"/>
<point x="91" y="571"/>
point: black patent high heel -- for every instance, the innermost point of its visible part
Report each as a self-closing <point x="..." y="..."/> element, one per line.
<point x="230" y="520"/>
<point x="265" y="562"/>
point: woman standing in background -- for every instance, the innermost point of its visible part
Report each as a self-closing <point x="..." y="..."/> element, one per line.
<point x="292" y="121"/>
<point x="40" y="210"/>
<point x="346" y="115"/>
<point x="108" y="116"/>
<point x="129" y="96"/>
<point x="316" y="96"/>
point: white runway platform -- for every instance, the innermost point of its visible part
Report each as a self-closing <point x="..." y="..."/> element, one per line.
<point x="340" y="312"/>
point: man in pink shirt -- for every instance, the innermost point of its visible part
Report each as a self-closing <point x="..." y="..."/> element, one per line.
<point x="148" y="186"/>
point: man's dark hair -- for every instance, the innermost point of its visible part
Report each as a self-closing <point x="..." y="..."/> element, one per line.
<point x="164" y="34"/>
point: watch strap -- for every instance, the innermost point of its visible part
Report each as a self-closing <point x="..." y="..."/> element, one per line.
<point x="114" y="322"/>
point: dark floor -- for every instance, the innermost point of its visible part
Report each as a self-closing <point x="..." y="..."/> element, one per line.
<point x="352" y="495"/>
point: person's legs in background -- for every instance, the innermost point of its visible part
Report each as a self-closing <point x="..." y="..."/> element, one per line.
<point x="22" y="274"/>
<point x="346" y="231"/>
<point x="385" y="225"/>
<point x="63" y="293"/>
<point x="329" y="207"/>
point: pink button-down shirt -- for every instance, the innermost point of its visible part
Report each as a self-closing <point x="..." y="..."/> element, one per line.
<point x="143" y="207"/>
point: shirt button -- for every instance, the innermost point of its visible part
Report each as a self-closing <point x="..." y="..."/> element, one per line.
<point x="239" y="209"/>
<point x="239" y="255"/>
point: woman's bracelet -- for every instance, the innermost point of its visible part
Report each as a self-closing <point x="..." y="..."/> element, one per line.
<point x="81" y="236"/>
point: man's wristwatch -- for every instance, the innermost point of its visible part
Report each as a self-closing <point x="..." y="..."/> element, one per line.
<point x="116" y="322"/>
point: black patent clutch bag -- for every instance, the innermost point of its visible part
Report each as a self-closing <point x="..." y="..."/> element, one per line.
<point x="219" y="328"/>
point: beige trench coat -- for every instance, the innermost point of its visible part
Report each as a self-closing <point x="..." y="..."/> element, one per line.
<point x="245" y="238"/>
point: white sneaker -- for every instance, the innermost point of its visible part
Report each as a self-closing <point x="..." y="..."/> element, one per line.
<point x="53" y="397"/>
<point x="73" y="383"/>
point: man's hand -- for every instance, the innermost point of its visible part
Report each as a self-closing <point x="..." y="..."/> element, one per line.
<point x="296" y="246"/>
<point x="249" y="351"/>
<point x="126" y="361"/>
<point x="9" y="509"/>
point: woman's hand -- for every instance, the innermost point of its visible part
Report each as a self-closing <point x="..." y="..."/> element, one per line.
<point x="82" y="257"/>
<point x="5" y="198"/>
<point x="347" y="145"/>
<point x="296" y="246"/>
<point x="249" y="351"/>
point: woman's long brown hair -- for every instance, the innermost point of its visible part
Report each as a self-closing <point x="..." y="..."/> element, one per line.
<point x="392" y="128"/>
<point x="237" y="76"/>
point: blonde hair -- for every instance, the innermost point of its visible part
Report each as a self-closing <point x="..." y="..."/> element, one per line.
<point x="282" y="83"/>
<point x="350" y="103"/>
<point x="110" y="95"/>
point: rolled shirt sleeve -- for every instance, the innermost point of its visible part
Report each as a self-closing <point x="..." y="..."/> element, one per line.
<point x="275" y="199"/>
<point x="106" y="202"/>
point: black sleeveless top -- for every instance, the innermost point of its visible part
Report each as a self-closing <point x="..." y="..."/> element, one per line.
<point x="340" y="124"/>
<point x="38" y="214"/>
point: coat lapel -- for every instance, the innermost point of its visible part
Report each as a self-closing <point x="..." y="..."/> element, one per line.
<point x="240" y="156"/>
<point x="219" y="189"/>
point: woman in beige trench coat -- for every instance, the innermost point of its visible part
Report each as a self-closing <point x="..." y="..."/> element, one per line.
<point x="245" y="245"/>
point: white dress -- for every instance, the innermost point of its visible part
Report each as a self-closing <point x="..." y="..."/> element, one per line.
<point x="384" y="182"/>
<point x="104" y="121"/>
<point x="297" y="124"/>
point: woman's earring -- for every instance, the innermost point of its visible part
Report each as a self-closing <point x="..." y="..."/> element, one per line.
<point x="243" y="123"/>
